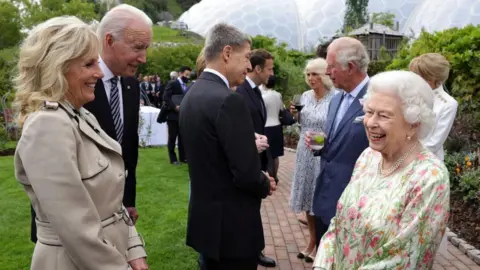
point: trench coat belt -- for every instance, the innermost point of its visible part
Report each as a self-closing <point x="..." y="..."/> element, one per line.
<point x="47" y="236"/>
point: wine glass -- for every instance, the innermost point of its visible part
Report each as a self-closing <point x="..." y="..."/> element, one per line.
<point x="297" y="102"/>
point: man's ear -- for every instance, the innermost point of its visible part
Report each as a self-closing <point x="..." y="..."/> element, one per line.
<point x="109" y="40"/>
<point x="258" y="69"/>
<point x="227" y="52"/>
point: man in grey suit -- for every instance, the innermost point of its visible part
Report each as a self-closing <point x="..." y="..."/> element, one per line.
<point x="347" y="61"/>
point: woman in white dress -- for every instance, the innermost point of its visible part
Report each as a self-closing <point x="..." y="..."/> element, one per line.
<point x="434" y="68"/>
<point x="307" y="167"/>
<point x="273" y="127"/>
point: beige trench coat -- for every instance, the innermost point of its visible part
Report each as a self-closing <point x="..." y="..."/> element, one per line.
<point x="74" y="175"/>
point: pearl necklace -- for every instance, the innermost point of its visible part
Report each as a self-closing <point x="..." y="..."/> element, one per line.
<point x="385" y="173"/>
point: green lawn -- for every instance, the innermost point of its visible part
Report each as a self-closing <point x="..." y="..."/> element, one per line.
<point x="165" y="34"/>
<point x="162" y="197"/>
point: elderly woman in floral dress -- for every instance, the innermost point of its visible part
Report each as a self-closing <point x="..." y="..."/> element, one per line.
<point x="394" y="211"/>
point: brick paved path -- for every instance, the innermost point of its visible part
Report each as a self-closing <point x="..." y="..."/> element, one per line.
<point x="285" y="236"/>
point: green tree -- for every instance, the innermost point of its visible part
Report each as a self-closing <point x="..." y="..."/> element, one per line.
<point x="384" y="18"/>
<point x="10" y="25"/>
<point x="38" y="11"/>
<point x="153" y="8"/>
<point x="356" y="14"/>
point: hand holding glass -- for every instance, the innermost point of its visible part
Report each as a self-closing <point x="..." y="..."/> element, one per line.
<point x="317" y="139"/>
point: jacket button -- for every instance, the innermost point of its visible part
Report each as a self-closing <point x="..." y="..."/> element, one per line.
<point x="102" y="162"/>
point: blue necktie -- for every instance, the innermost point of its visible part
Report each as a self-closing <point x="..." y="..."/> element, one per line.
<point x="342" y="110"/>
<point x="115" y="109"/>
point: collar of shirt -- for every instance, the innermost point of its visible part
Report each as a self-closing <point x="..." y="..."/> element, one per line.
<point x="252" y="84"/>
<point x="218" y="74"/>
<point x="107" y="73"/>
<point x="180" y="80"/>
<point x="359" y="87"/>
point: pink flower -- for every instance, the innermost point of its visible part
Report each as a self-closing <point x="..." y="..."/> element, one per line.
<point x="374" y="241"/>
<point x="438" y="209"/>
<point x="428" y="257"/>
<point x="346" y="250"/>
<point x="441" y="187"/>
<point x="352" y="213"/>
<point x="362" y="202"/>
<point x="339" y="206"/>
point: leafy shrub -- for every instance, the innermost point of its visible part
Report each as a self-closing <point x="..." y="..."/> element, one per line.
<point x="464" y="172"/>
<point x="289" y="65"/>
<point x="163" y="60"/>
<point x="3" y="138"/>
<point x="377" y="66"/>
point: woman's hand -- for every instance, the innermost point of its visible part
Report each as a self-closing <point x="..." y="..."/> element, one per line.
<point x="139" y="264"/>
<point x="293" y="110"/>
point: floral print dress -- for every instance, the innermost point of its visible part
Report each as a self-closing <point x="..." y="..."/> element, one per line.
<point x="395" y="222"/>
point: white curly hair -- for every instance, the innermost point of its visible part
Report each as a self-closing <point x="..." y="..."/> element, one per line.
<point x="415" y="93"/>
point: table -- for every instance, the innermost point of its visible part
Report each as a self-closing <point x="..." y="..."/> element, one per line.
<point x="151" y="133"/>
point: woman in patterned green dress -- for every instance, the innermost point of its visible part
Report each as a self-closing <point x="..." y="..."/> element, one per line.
<point x="394" y="211"/>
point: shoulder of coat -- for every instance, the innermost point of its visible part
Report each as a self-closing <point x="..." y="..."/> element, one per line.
<point x="50" y="105"/>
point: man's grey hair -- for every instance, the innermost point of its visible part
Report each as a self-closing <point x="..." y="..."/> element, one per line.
<point x="350" y="50"/>
<point x="222" y="35"/>
<point x="415" y="93"/>
<point x="173" y="75"/>
<point x="118" y="19"/>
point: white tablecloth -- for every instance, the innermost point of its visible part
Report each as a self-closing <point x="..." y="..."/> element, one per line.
<point x="151" y="132"/>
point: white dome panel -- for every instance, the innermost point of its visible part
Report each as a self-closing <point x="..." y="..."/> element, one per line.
<point x="436" y="17"/>
<point x="278" y="19"/>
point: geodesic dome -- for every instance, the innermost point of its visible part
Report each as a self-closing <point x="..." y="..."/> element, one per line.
<point x="434" y="16"/>
<point x="302" y="24"/>
<point x="274" y="18"/>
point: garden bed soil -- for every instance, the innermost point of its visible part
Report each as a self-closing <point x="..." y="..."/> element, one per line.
<point x="465" y="219"/>
<point x="7" y="152"/>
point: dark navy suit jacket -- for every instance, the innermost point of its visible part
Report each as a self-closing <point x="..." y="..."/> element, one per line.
<point x="338" y="157"/>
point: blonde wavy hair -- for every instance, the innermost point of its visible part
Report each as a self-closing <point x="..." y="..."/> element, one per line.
<point x="44" y="59"/>
<point x="433" y="67"/>
<point x="200" y="63"/>
<point x="319" y="66"/>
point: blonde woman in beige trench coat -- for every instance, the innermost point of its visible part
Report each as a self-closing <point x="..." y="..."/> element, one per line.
<point x="71" y="170"/>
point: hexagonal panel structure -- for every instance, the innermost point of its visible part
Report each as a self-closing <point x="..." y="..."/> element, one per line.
<point x="436" y="17"/>
<point x="302" y="24"/>
<point x="279" y="19"/>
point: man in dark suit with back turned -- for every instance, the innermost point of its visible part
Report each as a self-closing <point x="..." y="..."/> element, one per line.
<point x="227" y="185"/>
<point x="125" y="33"/>
<point x="176" y="87"/>
<point x="262" y="68"/>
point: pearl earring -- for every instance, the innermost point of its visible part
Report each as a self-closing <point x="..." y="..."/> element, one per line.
<point x="408" y="138"/>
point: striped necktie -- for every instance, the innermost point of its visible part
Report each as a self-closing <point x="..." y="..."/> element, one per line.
<point x="115" y="108"/>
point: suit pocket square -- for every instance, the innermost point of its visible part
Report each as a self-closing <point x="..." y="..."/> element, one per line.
<point x="358" y="119"/>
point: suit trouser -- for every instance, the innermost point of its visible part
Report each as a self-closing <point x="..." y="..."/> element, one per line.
<point x="173" y="133"/>
<point x="320" y="229"/>
<point x="228" y="264"/>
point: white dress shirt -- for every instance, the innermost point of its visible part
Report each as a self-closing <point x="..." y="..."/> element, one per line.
<point x="252" y="84"/>
<point x="347" y="100"/>
<point x="218" y="74"/>
<point x="107" y="76"/>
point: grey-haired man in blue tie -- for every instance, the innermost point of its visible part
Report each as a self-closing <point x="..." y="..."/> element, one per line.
<point x="346" y="139"/>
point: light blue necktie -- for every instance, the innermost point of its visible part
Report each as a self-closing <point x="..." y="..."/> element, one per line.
<point x="342" y="110"/>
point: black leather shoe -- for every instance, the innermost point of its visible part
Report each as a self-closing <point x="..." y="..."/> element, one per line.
<point x="266" y="261"/>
